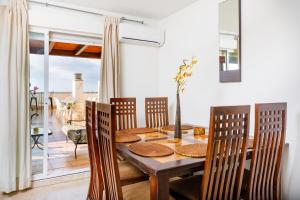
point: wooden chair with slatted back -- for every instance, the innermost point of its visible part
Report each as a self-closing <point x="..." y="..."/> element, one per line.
<point x="125" y="112"/>
<point x="108" y="155"/>
<point x="264" y="176"/>
<point x="96" y="187"/>
<point x="156" y="111"/>
<point x="225" y="158"/>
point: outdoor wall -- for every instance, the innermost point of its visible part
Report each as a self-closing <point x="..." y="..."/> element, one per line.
<point x="62" y="96"/>
<point x="270" y="66"/>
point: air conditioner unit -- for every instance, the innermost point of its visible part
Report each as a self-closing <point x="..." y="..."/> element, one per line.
<point x="140" y="34"/>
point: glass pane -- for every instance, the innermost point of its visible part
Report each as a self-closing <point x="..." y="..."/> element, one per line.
<point x="74" y="71"/>
<point x="36" y="44"/>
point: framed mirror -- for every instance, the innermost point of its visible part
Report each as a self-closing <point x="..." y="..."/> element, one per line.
<point x="230" y="40"/>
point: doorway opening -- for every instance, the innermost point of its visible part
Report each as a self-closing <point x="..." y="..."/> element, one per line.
<point x="62" y="77"/>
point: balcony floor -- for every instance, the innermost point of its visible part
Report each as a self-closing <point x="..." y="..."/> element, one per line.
<point x="61" y="159"/>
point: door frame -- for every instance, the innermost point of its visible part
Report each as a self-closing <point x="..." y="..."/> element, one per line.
<point x="48" y="35"/>
<point x="45" y="34"/>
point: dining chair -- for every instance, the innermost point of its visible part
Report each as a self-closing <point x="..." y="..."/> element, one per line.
<point x="156" y="111"/>
<point x="108" y="156"/>
<point x="96" y="186"/>
<point x="125" y="112"/>
<point x="225" y="158"/>
<point x="128" y="173"/>
<point x="263" y="179"/>
<point x="33" y="98"/>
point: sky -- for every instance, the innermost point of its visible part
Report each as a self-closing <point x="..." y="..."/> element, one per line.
<point x="61" y="72"/>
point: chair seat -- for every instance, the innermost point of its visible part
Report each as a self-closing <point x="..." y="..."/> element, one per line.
<point x="130" y="174"/>
<point x="138" y="191"/>
<point x="186" y="188"/>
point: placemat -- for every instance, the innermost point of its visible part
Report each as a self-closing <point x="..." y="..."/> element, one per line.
<point x="126" y="138"/>
<point x="149" y="149"/>
<point x="172" y="127"/>
<point x="138" y="130"/>
<point x="192" y="150"/>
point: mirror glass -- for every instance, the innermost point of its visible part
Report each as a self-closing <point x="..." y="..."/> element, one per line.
<point x="229" y="44"/>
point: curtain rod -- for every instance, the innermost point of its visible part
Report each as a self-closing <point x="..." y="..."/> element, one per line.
<point x="83" y="11"/>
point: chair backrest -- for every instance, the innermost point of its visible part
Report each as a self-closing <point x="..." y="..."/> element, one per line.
<point x="125" y="112"/>
<point x="156" y="111"/>
<point x="96" y="183"/>
<point x="226" y="152"/>
<point x="269" y="136"/>
<point x="106" y="134"/>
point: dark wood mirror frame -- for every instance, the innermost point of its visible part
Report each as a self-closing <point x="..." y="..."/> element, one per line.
<point x="234" y="75"/>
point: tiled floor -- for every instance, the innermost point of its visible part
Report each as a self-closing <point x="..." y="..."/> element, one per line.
<point x="61" y="153"/>
<point x="75" y="190"/>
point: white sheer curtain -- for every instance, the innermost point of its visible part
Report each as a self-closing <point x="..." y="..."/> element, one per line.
<point x="110" y="86"/>
<point x="15" y="150"/>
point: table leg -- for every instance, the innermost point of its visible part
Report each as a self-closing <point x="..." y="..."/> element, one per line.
<point x="37" y="143"/>
<point x="159" y="187"/>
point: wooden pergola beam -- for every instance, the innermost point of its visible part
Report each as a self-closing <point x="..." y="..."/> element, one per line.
<point x="57" y="52"/>
<point x="81" y="50"/>
<point x="51" y="46"/>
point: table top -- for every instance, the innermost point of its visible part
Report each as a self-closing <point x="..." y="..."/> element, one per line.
<point x="39" y="132"/>
<point x="156" y="165"/>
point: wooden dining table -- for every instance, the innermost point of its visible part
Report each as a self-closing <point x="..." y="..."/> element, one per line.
<point x="162" y="169"/>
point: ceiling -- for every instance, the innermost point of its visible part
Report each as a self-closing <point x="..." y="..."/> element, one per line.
<point x="154" y="9"/>
<point x="65" y="49"/>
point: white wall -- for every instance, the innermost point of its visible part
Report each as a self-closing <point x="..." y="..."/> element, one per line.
<point x="139" y="69"/>
<point x="270" y="66"/>
<point x="63" y="19"/>
<point x="191" y="32"/>
<point x="77" y="22"/>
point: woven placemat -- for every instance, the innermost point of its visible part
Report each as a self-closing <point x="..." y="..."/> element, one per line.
<point x="203" y="137"/>
<point x="126" y="138"/>
<point x="149" y="149"/>
<point x="192" y="150"/>
<point x="138" y="130"/>
<point x="155" y="135"/>
<point x="172" y="127"/>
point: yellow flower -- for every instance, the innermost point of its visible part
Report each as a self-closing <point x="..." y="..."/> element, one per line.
<point x="183" y="67"/>
<point x="184" y="71"/>
<point x="194" y="61"/>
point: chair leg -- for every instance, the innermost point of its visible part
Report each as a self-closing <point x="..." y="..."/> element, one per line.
<point x="36" y="105"/>
<point x="76" y="150"/>
<point x="31" y="103"/>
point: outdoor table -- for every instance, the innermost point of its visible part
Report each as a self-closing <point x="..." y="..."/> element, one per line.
<point x="36" y="135"/>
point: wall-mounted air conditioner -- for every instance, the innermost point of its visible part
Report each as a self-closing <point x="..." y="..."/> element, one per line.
<point x="140" y="34"/>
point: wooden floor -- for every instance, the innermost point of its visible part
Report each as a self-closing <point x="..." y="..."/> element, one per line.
<point x="61" y="158"/>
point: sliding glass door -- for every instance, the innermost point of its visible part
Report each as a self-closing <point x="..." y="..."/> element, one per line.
<point x="64" y="72"/>
<point x="39" y="61"/>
